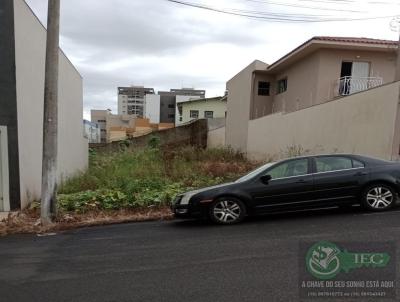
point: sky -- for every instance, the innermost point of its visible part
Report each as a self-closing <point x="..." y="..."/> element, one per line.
<point x="163" y="45"/>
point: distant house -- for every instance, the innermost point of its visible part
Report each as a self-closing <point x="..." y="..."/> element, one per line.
<point x="113" y="127"/>
<point x="184" y="95"/>
<point x="100" y="118"/>
<point x="317" y="71"/>
<point x="117" y="127"/>
<point x="325" y="87"/>
<point x="22" y="57"/>
<point x="210" y="108"/>
<point x="92" y="132"/>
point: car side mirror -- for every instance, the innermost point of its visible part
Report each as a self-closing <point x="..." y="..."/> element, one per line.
<point x="265" y="179"/>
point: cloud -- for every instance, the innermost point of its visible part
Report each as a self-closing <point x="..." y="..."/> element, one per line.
<point x="162" y="45"/>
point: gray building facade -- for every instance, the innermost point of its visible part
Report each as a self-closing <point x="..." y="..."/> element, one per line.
<point x="167" y="106"/>
<point x="168" y="102"/>
<point x="189" y="92"/>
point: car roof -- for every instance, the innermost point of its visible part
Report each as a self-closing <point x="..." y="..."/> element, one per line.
<point x="363" y="158"/>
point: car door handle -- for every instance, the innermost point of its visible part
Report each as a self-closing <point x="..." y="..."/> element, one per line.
<point x="360" y="174"/>
<point x="302" y="181"/>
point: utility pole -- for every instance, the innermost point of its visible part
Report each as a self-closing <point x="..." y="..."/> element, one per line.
<point x="50" y="118"/>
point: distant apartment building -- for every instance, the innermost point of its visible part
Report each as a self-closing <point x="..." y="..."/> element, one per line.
<point x="163" y="107"/>
<point x="189" y="92"/>
<point x="168" y="104"/>
<point x="152" y="108"/>
<point x="92" y="132"/>
<point x="131" y="100"/>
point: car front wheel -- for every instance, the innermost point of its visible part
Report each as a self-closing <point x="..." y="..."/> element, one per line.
<point x="379" y="197"/>
<point x="227" y="210"/>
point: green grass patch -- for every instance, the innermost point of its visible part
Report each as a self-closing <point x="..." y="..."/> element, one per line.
<point x="149" y="177"/>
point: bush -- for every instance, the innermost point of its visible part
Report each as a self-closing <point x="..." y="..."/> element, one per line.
<point x="90" y="200"/>
<point x="149" y="177"/>
<point x="154" y="142"/>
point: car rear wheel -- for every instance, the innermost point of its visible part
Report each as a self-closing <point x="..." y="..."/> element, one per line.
<point x="379" y="197"/>
<point x="227" y="210"/>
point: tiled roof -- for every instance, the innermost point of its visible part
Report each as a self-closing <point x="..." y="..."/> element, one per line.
<point x="338" y="40"/>
<point x="355" y="40"/>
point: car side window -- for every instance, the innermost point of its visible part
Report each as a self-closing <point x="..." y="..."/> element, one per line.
<point x="357" y="164"/>
<point x="333" y="163"/>
<point x="289" y="169"/>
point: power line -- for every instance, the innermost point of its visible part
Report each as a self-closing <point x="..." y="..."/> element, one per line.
<point x="349" y="2"/>
<point x="281" y="15"/>
<point x="271" y="17"/>
<point x="304" y="6"/>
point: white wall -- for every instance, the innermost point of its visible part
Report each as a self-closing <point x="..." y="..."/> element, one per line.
<point x="92" y="133"/>
<point x="152" y="108"/>
<point x="363" y="123"/>
<point x="30" y="43"/>
<point x="216" y="138"/>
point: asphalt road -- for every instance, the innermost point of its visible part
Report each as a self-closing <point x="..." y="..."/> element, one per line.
<point x="178" y="260"/>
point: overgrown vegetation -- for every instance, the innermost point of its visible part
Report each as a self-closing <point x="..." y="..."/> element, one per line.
<point x="148" y="178"/>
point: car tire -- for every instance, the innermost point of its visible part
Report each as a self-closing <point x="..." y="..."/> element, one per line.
<point x="379" y="197"/>
<point x="227" y="210"/>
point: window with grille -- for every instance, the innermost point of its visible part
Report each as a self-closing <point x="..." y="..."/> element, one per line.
<point x="194" y="113"/>
<point x="263" y="88"/>
<point x="208" y="114"/>
<point x="282" y="85"/>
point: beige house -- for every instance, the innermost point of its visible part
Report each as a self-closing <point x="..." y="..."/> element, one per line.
<point x="113" y="127"/>
<point x="210" y="108"/>
<point x="321" y="70"/>
<point x="100" y="118"/>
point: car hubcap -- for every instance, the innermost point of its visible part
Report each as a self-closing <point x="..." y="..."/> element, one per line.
<point x="379" y="197"/>
<point x="227" y="211"/>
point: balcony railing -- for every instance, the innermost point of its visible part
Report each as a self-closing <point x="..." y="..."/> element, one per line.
<point x="350" y="85"/>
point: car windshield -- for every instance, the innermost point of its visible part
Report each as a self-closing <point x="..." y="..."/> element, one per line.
<point x="255" y="172"/>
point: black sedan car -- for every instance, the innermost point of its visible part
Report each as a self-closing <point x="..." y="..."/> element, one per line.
<point x="298" y="183"/>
